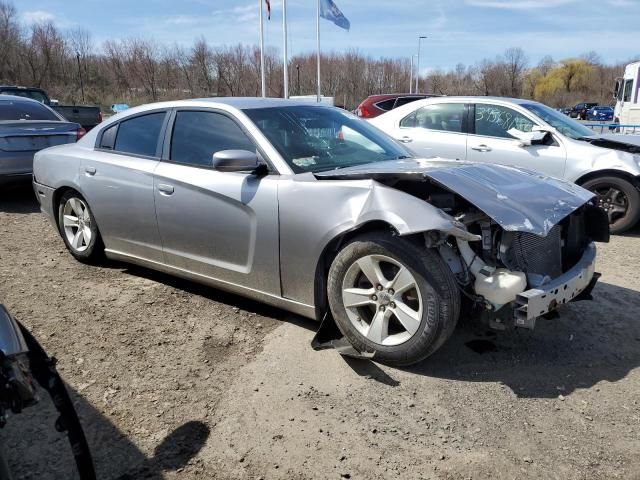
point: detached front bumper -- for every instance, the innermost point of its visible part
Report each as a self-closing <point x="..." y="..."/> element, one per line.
<point x="536" y="302"/>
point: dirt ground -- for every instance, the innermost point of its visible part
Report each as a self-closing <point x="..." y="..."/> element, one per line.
<point x="175" y="380"/>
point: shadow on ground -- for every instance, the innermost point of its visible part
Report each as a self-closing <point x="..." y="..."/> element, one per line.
<point x="18" y="198"/>
<point x="35" y="450"/>
<point x="593" y="341"/>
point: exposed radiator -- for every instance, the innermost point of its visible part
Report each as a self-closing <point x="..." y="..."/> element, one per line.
<point x="533" y="254"/>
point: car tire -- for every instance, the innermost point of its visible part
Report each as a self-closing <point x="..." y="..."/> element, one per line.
<point x="411" y="323"/>
<point x="79" y="229"/>
<point x="628" y="197"/>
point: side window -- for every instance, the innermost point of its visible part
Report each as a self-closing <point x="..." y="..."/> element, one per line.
<point x="628" y="86"/>
<point x="446" y="117"/>
<point x="108" y="139"/>
<point x="198" y="135"/>
<point x="386" y="105"/>
<point x="404" y="100"/>
<point x="496" y="121"/>
<point x="139" y="135"/>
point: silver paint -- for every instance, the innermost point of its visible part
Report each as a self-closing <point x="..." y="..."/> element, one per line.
<point x="264" y="236"/>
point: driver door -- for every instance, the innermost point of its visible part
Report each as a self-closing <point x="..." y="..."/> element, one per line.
<point x="490" y="142"/>
<point x="223" y="225"/>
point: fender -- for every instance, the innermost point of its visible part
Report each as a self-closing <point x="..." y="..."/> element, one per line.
<point x="337" y="207"/>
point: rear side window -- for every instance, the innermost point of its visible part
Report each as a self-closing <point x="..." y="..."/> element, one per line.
<point x="198" y="135"/>
<point x="108" y="139"/>
<point x="404" y="100"/>
<point x="140" y="135"/>
<point x="386" y="105"/>
<point x="25" y="110"/>
<point x="442" y="116"/>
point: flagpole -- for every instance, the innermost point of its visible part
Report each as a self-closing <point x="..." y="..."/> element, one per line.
<point x="286" y="59"/>
<point x="262" y="78"/>
<point x="318" y="53"/>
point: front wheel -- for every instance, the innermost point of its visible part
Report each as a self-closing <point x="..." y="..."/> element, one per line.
<point x="78" y="228"/>
<point x="392" y="298"/>
<point x="619" y="198"/>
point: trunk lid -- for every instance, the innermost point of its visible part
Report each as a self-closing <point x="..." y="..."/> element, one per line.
<point x="32" y="136"/>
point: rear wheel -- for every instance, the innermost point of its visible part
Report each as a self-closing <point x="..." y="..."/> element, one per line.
<point x="619" y="198"/>
<point x="78" y="228"/>
<point x="392" y="298"/>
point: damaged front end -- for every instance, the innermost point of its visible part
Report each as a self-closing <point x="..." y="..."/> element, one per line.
<point x="529" y="247"/>
<point x="515" y="277"/>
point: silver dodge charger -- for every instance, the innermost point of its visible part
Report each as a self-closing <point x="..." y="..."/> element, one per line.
<point x="313" y="210"/>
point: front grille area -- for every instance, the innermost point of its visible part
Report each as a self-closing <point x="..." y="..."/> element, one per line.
<point x="533" y="254"/>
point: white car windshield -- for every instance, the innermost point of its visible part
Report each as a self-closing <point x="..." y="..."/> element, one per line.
<point x="314" y="138"/>
<point x="559" y="121"/>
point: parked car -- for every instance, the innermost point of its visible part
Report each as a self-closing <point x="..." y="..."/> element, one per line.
<point x="580" y="110"/>
<point x="27" y="126"/>
<point x="600" y="114"/>
<point x="526" y="134"/>
<point x="313" y="210"/>
<point x="565" y="111"/>
<point x="375" y="105"/>
<point x="87" y="116"/>
<point x="23" y="365"/>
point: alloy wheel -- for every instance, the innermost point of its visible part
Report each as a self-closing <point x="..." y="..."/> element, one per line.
<point x="77" y="224"/>
<point x="612" y="200"/>
<point x="382" y="300"/>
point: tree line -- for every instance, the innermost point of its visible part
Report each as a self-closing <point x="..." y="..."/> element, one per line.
<point x="138" y="70"/>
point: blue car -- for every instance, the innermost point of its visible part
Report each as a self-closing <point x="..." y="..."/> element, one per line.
<point x="600" y="114"/>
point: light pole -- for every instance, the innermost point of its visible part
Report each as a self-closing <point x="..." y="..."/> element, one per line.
<point x="80" y="75"/>
<point x="420" y="38"/>
<point x="411" y="75"/>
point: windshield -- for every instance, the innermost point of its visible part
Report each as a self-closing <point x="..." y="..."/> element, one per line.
<point x="315" y="138"/>
<point x="562" y="123"/>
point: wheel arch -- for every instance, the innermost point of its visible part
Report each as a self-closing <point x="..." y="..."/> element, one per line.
<point x="332" y="248"/>
<point x="610" y="173"/>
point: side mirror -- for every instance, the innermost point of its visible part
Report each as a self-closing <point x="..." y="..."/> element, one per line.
<point x="235" y="161"/>
<point x="528" y="138"/>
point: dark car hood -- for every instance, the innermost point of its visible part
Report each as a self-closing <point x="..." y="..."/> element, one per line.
<point x="517" y="199"/>
<point x="604" y="142"/>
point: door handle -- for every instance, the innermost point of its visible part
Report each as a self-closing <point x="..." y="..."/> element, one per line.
<point x="165" y="189"/>
<point x="90" y="170"/>
<point x="405" y="139"/>
<point x="482" y="148"/>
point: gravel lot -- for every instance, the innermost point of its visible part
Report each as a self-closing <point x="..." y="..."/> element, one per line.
<point x="174" y="380"/>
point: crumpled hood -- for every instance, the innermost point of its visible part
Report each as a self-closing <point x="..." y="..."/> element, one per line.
<point x="517" y="199"/>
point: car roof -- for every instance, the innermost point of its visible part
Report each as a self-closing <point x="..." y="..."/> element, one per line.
<point x="243" y="103"/>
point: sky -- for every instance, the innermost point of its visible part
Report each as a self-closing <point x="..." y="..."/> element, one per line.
<point x="458" y="31"/>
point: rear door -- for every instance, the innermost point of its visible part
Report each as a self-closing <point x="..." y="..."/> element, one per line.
<point x="490" y="141"/>
<point x="223" y="225"/>
<point x="117" y="181"/>
<point x="436" y="129"/>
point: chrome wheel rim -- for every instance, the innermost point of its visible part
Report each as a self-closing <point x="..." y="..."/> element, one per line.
<point x="613" y="201"/>
<point x="77" y="224"/>
<point x="382" y="300"/>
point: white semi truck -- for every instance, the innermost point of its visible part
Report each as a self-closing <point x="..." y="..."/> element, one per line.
<point x="627" y="95"/>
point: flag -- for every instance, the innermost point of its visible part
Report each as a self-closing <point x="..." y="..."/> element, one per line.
<point x="330" y="11"/>
<point x="268" y="9"/>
